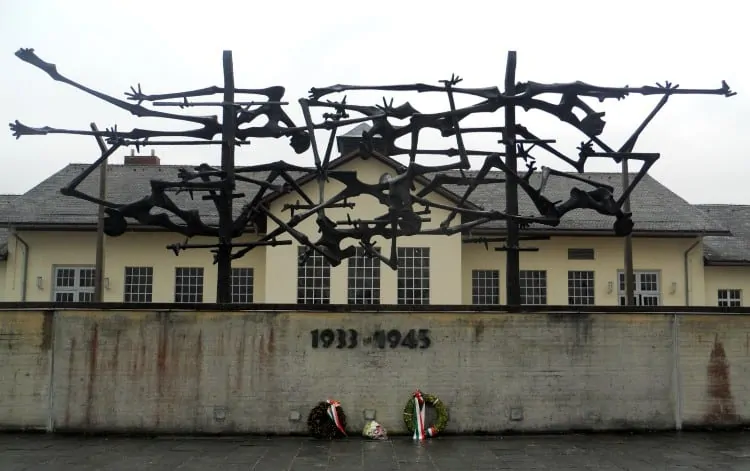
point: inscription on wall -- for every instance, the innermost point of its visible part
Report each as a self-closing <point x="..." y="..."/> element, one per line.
<point x="350" y="338"/>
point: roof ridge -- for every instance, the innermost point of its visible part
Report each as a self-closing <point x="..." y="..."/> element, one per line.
<point x="721" y="205"/>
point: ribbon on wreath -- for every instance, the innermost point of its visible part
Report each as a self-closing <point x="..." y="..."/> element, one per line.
<point x="420" y="431"/>
<point x="334" y="415"/>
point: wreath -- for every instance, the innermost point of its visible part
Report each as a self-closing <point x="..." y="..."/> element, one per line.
<point x="327" y="420"/>
<point x="414" y="415"/>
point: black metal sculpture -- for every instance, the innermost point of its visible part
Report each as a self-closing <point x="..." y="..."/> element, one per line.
<point x="405" y="206"/>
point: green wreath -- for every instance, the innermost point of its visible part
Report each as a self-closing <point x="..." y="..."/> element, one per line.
<point x="428" y="399"/>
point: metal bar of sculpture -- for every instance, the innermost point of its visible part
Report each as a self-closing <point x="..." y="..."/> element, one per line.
<point x="404" y="196"/>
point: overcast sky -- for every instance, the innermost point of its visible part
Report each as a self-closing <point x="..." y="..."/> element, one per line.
<point x="177" y="45"/>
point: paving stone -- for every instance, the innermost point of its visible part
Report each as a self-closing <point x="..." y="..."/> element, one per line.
<point x="684" y="452"/>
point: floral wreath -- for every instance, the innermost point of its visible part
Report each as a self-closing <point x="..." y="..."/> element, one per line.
<point x="414" y="415"/>
<point x="327" y="420"/>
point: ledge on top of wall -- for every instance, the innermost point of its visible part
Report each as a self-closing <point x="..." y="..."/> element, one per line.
<point x="389" y="308"/>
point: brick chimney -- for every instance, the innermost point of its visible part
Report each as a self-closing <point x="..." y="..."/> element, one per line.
<point x="133" y="159"/>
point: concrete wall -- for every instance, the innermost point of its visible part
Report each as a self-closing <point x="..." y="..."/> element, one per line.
<point x="248" y="371"/>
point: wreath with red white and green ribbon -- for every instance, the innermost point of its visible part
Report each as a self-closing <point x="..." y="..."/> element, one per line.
<point x="414" y="415"/>
<point x="327" y="420"/>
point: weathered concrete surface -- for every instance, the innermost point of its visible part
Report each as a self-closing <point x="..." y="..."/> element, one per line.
<point x="25" y="368"/>
<point x="685" y="452"/>
<point x="715" y="368"/>
<point x="227" y="372"/>
<point x="246" y="372"/>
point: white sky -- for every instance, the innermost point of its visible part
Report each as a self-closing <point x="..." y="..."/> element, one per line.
<point x="175" y="45"/>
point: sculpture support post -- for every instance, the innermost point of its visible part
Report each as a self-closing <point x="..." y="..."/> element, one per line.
<point x="512" y="264"/>
<point x="224" y="204"/>
<point x="99" y="264"/>
<point x="628" y="250"/>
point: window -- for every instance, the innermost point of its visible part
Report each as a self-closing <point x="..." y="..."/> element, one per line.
<point x="242" y="285"/>
<point x="74" y="284"/>
<point x="485" y="287"/>
<point x="188" y="285"/>
<point x="413" y="275"/>
<point x="580" y="254"/>
<point x="646" y="290"/>
<point x="313" y="278"/>
<point x="363" y="279"/>
<point x="730" y="297"/>
<point x="581" y="288"/>
<point x="139" y="284"/>
<point x="533" y="287"/>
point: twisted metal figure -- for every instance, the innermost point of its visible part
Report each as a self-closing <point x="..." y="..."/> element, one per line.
<point x="404" y="205"/>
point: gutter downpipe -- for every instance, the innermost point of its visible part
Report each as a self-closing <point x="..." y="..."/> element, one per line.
<point x="687" y="273"/>
<point x="25" y="278"/>
<point x="676" y="367"/>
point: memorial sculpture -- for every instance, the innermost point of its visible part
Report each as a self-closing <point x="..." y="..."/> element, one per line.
<point x="404" y="207"/>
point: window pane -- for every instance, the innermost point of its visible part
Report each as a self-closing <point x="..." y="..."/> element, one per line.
<point x="533" y="287"/>
<point x="138" y="284"/>
<point x="413" y="275"/>
<point x="313" y="278"/>
<point x="581" y="288"/>
<point x="363" y="284"/>
<point x="188" y="285"/>
<point x="242" y="285"/>
<point x="485" y="287"/>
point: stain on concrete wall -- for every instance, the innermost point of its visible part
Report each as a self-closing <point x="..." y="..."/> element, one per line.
<point x="246" y="372"/>
<point x="715" y="369"/>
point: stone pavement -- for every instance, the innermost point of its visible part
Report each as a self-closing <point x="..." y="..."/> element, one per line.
<point x="686" y="452"/>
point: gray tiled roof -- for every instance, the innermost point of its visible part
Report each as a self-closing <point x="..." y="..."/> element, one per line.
<point x="655" y="208"/>
<point x="736" y="248"/>
<point x="44" y="204"/>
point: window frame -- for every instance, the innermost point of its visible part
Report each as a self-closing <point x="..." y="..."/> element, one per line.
<point x="357" y="286"/>
<point x="527" y="292"/>
<point x="728" y="300"/>
<point x="407" y="262"/>
<point x="643" y="297"/>
<point x="585" y="293"/>
<point x="237" y="286"/>
<point x="307" y="284"/>
<point x="76" y="290"/>
<point x="148" y="292"/>
<point x="200" y="273"/>
<point x="484" y="276"/>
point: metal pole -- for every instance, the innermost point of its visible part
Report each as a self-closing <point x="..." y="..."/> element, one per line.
<point x="628" y="252"/>
<point x="224" y="206"/>
<point x="512" y="266"/>
<point x="99" y="263"/>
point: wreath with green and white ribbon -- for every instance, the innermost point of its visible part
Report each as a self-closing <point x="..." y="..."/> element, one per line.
<point x="414" y="413"/>
<point x="327" y="420"/>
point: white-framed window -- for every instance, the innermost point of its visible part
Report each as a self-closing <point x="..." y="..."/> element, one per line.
<point x="646" y="291"/>
<point x="242" y="285"/>
<point x="533" y="286"/>
<point x="188" y="285"/>
<point x="581" y="288"/>
<point x="313" y="278"/>
<point x="139" y="284"/>
<point x="485" y="287"/>
<point x="363" y="279"/>
<point x="413" y="275"/>
<point x="730" y="297"/>
<point x="73" y="284"/>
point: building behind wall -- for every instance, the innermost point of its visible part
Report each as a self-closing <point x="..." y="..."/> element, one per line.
<point x="683" y="254"/>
